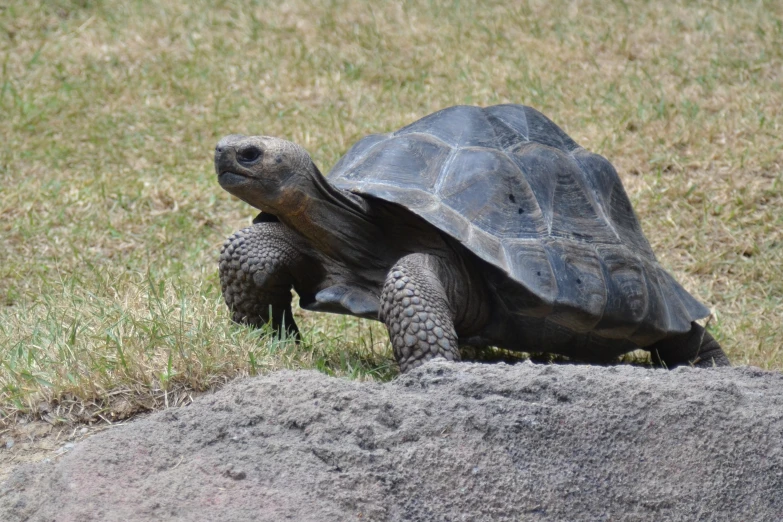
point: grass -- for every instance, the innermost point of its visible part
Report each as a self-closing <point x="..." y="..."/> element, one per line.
<point x="111" y="217"/>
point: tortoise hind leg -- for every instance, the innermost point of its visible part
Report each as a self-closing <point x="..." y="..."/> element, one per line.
<point x="415" y="309"/>
<point x="696" y="348"/>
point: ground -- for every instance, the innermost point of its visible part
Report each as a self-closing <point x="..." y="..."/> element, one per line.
<point x="33" y="441"/>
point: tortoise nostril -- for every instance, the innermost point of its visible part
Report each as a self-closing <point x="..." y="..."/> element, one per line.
<point x="218" y="149"/>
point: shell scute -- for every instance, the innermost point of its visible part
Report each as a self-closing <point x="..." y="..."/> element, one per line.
<point x="529" y="263"/>
<point x="627" y="300"/>
<point x="575" y="212"/>
<point x="413" y="162"/>
<point x="610" y="196"/>
<point x="543" y="130"/>
<point x="656" y="323"/>
<point x="358" y="151"/>
<point x="460" y="126"/>
<point x="581" y="296"/>
<point x="488" y="189"/>
<point x="510" y="121"/>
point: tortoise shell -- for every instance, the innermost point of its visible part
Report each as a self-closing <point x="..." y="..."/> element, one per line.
<point x="520" y="194"/>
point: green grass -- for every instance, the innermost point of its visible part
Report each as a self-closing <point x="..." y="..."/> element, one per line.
<point x="111" y="217"/>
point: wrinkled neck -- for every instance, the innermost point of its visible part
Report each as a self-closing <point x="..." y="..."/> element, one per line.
<point x="334" y="221"/>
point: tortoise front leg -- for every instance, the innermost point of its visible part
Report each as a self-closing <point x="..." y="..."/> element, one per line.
<point x="256" y="275"/>
<point x="416" y="311"/>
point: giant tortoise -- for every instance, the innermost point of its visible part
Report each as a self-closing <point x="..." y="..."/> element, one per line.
<point x="471" y="226"/>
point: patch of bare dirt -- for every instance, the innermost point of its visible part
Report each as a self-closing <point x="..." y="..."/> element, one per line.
<point x="27" y="442"/>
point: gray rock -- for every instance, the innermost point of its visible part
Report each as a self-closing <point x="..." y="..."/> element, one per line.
<point x="446" y="441"/>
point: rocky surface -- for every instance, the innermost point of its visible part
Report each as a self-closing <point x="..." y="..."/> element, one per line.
<point x="444" y="442"/>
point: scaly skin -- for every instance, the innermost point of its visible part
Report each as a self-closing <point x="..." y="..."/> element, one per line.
<point x="416" y="311"/>
<point x="256" y="274"/>
<point x="696" y="348"/>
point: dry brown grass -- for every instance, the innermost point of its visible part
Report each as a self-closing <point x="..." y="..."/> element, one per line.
<point x="111" y="217"/>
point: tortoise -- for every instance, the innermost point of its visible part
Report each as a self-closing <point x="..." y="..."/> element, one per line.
<point x="471" y="226"/>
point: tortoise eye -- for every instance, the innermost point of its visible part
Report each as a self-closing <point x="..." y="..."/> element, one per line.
<point x="249" y="154"/>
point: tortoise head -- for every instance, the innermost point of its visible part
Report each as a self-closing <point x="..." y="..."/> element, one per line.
<point x="263" y="171"/>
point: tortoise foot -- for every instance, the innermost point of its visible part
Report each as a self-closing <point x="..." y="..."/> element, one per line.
<point x="696" y="348"/>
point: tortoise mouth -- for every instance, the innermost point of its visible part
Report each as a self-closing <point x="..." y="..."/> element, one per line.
<point x="230" y="179"/>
